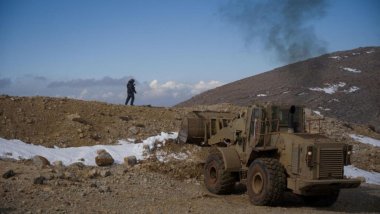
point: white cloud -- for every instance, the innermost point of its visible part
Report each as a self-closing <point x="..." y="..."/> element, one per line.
<point x="202" y="86"/>
<point x="175" y="89"/>
<point x="83" y="93"/>
<point x="111" y="90"/>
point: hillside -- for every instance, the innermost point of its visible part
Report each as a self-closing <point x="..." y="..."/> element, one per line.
<point x="65" y="122"/>
<point x="344" y="84"/>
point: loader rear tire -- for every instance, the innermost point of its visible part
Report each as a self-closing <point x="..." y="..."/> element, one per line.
<point x="266" y="181"/>
<point x="216" y="178"/>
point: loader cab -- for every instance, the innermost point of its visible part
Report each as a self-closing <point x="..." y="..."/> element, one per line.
<point x="291" y="118"/>
<point x="265" y="121"/>
<point x="259" y="126"/>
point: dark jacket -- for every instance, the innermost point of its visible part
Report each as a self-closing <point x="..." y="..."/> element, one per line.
<point x="131" y="87"/>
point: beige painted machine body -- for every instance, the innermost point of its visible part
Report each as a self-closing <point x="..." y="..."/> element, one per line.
<point x="313" y="163"/>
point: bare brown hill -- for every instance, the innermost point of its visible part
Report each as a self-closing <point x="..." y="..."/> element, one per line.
<point x="65" y="122"/>
<point x="344" y="84"/>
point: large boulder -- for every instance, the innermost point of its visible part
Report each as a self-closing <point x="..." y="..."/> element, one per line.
<point x="104" y="158"/>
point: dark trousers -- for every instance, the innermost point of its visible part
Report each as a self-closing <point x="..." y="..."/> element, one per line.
<point x="130" y="97"/>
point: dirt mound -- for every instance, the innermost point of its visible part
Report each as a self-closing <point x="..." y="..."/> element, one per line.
<point x="66" y="122"/>
<point x="181" y="161"/>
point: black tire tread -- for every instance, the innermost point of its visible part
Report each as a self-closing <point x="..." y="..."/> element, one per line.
<point x="226" y="182"/>
<point x="277" y="178"/>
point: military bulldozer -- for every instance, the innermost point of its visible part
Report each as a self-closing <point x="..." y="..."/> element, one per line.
<point x="270" y="150"/>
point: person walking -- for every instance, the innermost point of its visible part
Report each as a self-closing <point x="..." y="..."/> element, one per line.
<point x="131" y="92"/>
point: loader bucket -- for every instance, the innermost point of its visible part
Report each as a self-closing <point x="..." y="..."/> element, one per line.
<point x="195" y="127"/>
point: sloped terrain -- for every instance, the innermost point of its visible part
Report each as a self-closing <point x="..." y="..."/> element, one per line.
<point x="344" y="85"/>
<point x="66" y="122"/>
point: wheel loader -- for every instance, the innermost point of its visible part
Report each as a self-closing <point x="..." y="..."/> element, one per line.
<point x="269" y="148"/>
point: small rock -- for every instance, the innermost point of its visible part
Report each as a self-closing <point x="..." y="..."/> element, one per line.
<point x="134" y="130"/>
<point x="40" y="161"/>
<point x="130" y="161"/>
<point x="60" y="174"/>
<point x="100" y="151"/>
<point x="49" y="177"/>
<point x="58" y="163"/>
<point x="29" y="121"/>
<point x="39" y="180"/>
<point x="73" y="116"/>
<point x="105" y="173"/>
<point x="78" y="165"/>
<point x="69" y="175"/>
<point x="93" y="173"/>
<point x="104" y="159"/>
<point x="103" y="189"/>
<point x="8" y="174"/>
<point x="146" y="148"/>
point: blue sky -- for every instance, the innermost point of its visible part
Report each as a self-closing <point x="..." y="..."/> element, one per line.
<point x="174" y="49"/>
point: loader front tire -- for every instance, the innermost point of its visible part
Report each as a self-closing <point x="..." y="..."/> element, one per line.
<point x="266" y="181"/>
<point x="216" y="178"/>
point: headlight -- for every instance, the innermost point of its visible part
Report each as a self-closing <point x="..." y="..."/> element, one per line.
<point x="309" y="156"/>
<point x="347" y="155"/>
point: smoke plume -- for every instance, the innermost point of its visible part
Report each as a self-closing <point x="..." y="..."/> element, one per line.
<point x="282" y="26"/>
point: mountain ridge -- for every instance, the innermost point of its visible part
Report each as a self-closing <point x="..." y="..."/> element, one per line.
<point x="342" y="84"/>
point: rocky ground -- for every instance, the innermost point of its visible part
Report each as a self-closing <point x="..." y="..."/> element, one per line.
<point x="160" y="184"/>
<point x="118" y="189"/>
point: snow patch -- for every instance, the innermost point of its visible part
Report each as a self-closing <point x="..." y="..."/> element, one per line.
<point x="335" y="57"/>
<point x="370" y="177"/>
<point x="352" y="89"/>
<point x="334" y="100"/>
<point x="353" y="54"/>
<point x="17" y="149"/>
<point x="371" y="51"/>
<point x="330" y="89"/>
<point x="365" y="140"/>
<point x="302" y="93"/>
<point x="163" y="156"/>
<point x="262" y="95"/>
<point x="318" y="113"/>
<point x="353" y="70"/>
<point x="324" y="109"/>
